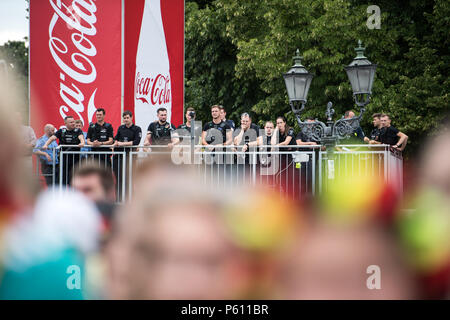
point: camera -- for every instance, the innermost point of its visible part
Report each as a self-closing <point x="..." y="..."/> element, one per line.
<point x="192" y="114"/>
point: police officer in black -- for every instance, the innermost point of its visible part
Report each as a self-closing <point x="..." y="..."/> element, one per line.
<point x="183" y="132"/>
<point x="374" y="137"/>
<point x="283" y="135"/>
<point x="303" y="140"/>
<point x="224" y="135"/>
<point x="223" y="117"/>
<point x="391" y="135"/>
<point x="100" y="134"/>
<point x="68" y="136"/>
<point x="128" y="134"/>
<point x="217" y="131"/>
<point x="160" y="132"/>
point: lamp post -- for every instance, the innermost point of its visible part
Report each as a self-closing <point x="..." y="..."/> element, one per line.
<point x="360" y="72"/>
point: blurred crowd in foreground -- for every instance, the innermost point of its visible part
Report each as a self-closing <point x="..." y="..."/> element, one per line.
<point x="178" y="238"/>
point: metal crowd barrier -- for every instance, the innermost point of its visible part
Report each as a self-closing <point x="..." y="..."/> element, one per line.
<point x="112" y="160"/>
<point x="374" y="161"/>
<point x="294" y="171"/>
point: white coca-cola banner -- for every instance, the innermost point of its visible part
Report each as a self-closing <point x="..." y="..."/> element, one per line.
<point x="154" y="59"/>
<point x="76" y="56"/>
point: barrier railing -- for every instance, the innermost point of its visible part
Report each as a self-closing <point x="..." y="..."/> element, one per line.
<point x="376" y="161"/>
<point x="294" y="171"/>
<point x="113" y="160"/>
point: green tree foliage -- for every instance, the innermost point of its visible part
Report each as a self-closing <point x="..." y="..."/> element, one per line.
<point x="15" y="56"/>
<point x="210" y="61"/>
<point x="237" y="51"/>
<point x="15" y="53"/>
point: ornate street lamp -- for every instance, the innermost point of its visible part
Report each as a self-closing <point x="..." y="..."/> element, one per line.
<point x="361" y="73"/>
<point x="297" y="81"/>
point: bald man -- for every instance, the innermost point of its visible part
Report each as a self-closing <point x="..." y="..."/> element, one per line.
<point x="48" y="156"/>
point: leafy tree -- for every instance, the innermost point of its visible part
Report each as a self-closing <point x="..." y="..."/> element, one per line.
<point x="210" y="60"/>
<point x="15" y="55"/>
<point x="251" y="42"/>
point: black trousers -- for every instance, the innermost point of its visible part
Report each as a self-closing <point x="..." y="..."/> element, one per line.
<point x="117" y="165"/>
<point x="69" y="162"/>
<point x="47" y="173"/>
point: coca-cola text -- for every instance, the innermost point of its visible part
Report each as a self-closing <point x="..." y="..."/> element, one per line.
<point x="156" y="89"/>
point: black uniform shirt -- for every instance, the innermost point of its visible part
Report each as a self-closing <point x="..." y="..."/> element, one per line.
<point x="161" y="133"/>
<point x="304" y="138"/>
<point x="187" y="134"/>
<point x="375" y="134"/>
<point x="230" y="123"/>
<point x="289" y="133"/>
<point x="69" y="137"/>
<point x="222" y="127"/>
<point x="101" y="133"/>
<point x="389" y="135"/>
<point x="125" y="134"/>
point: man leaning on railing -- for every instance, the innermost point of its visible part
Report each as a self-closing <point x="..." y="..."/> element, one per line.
<point x="387" y="134"/>
<point x="391" y="135"/>
<point x="49" y="157"/>
<point x="72" y="136"/>
<point x="99" y="134"/>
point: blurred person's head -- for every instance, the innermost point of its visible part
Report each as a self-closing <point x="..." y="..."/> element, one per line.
<point x="331" y="261"/>
<point x="170" y="241"/>
<point x="49" y="130"/>
<point x="69" y="122"/>
<point x="14" y="182"/>
<point x="349" y="114"/>
<point x="268" y="128"/>
<point x="425" y="230"/>
<point x="385" y="121"/>
<point x="55" y="237"/>
<point x="94" y="181"/>
<point x="435" y="164"/>
<point x="215" y="112"/>
<point x="376" y="120"/>
<point x="127" y="117"/>
<point x="79" y="124"/>
<point x="162" y="115"/>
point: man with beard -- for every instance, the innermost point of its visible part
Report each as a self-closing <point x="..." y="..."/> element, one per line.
<point x="160" y="132"/>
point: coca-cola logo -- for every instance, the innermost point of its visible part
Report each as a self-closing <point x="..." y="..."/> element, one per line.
<point x="74" y="55"/>
<point x="153" y="90"/>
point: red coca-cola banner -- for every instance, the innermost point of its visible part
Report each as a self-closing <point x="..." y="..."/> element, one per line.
<point x="76" y="56"/>
<point x="75" y="61"/>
